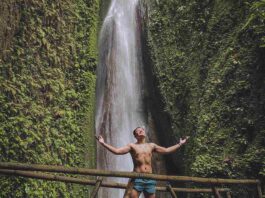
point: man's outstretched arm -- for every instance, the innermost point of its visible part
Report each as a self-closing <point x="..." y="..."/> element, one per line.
<point x="171" y="149"/>
<point x="117" y="151"/>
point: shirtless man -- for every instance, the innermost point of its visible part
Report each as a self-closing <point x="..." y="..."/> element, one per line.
<point x="141" y="153"/>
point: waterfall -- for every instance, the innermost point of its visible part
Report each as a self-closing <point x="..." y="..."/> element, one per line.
<point x="120" y="86"/>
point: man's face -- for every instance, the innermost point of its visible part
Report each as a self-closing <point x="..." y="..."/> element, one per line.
<point x="139" y="133"/>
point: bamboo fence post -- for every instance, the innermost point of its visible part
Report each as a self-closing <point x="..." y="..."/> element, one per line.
<point x="170" y="189"/>
<point x="17" y="169"/>
<point x="216" y="192"/>
<point x="96" y="188"/>
<point x="67" y="179"/>
<point x="228" y="194"/>
<point x="85" y="171"/>
<point x="259" y="189"/>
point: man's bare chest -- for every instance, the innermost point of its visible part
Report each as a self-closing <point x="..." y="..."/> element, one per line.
<point x="142" y="149"/>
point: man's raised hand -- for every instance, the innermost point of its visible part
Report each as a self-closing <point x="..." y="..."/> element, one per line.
<point x="183" y="141"/>
<point x="100" y="139"/>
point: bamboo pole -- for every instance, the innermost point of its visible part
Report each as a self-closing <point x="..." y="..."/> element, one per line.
<point x="172" y="192"/>
<point x="216" y="192"/>
<point x="50" y="177"/>
<point x="85" y="171"/>
<point x="97" y="186"/>
<point x="228" y="194"/>
<point x="200" y="190"/>
<point x="259" y="190"/>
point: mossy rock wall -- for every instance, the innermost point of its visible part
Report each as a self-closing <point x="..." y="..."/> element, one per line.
<point x="48" y="57"/>
<point x="205" y="64"/>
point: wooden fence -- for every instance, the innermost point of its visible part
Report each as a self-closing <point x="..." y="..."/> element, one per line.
<point x="29" y="170"/>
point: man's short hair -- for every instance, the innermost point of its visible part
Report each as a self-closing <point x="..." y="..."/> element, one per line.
<point x="134" y="131"/>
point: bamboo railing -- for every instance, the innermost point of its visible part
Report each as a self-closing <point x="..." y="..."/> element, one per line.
<point x="27" y="170"/>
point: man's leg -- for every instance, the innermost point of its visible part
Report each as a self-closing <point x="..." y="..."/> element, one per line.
<point x="134" y="194"/>
<point x="129" y="189"/>
<point x="148" y="195"/>
<point x="150" y="189"/>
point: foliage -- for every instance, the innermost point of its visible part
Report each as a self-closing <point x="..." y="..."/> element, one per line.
<point x="208" y="63"/>
<point x="256" y="19"/>
<point x="47" y="63"/>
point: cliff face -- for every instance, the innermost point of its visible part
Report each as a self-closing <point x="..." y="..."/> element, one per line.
<point x="48" y="56"/>
<point x="205" y="62"/>
<point x="205" y="67"/>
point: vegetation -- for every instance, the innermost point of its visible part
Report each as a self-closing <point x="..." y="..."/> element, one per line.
<point x="205" y="64"/>
<point x="48" y="56"/>
<point x="207" y="59"/>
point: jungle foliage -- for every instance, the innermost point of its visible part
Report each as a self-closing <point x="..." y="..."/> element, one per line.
<point x="208" y="62"/>
<point x="48" y="56"/>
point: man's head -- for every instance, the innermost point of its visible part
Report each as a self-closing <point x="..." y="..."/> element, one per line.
<point x="139" y="132"/>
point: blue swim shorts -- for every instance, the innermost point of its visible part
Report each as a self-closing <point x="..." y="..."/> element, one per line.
<point x="146" y="185"/>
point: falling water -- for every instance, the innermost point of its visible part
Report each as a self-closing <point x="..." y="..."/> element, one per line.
<point x="120" y="86"/>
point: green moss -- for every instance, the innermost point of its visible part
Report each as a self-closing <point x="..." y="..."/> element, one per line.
<point x="48" y="60"/>
<point x="208" y="70"/>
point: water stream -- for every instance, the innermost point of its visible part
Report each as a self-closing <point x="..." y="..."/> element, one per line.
<point x="120" y="86"/>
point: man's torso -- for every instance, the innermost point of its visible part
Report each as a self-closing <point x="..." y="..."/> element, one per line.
<point x="142" y="156"/>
